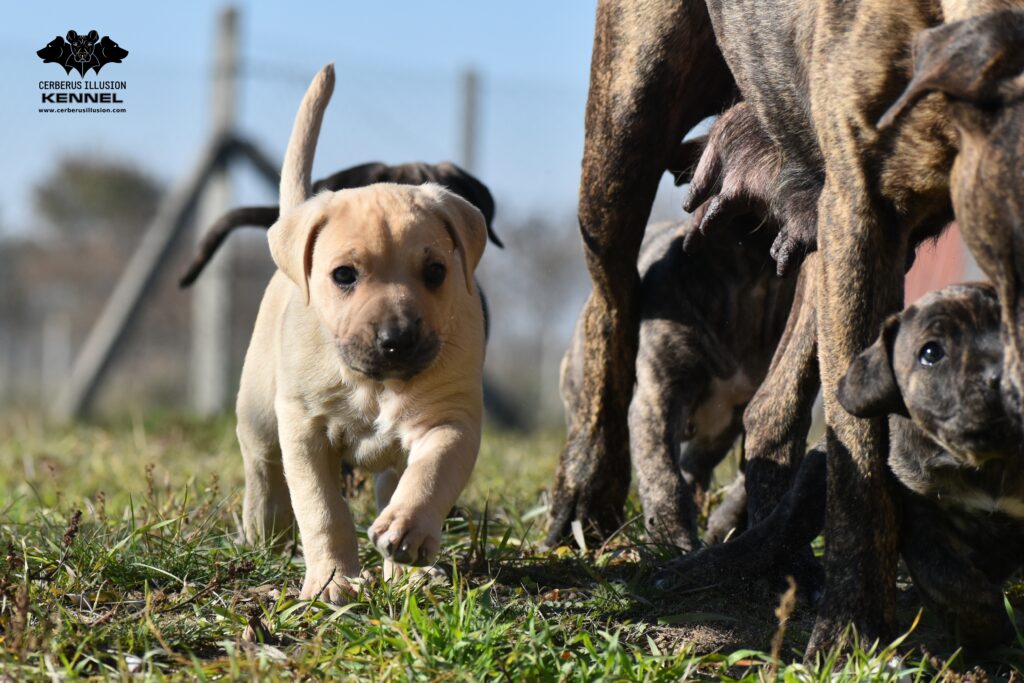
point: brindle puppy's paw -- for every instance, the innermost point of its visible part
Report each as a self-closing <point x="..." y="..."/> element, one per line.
<point x="406" y="536"/>
<point x="327" y="582"/>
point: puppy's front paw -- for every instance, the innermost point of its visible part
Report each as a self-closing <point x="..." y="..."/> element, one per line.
<point x="326" y="582"/>
<point x="407" y="536"/>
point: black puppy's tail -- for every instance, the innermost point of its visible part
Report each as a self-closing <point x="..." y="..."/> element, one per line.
<point x="254" y="216"/>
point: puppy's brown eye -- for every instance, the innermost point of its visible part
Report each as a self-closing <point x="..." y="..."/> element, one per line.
<point x="344" y="276"/>
<point x="434" y="274"/>
<point x="930" y="354"/>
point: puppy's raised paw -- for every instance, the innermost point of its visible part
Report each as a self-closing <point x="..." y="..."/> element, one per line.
<point x="406" y="536"/>
<point x="326" y="582"/>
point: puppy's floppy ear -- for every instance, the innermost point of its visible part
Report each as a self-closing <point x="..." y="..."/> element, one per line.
<point x="465" y="225"/>
<point x="293" y="237"/>
<point x="470" y="188"/>
<point x="869" y="389"/>
<point x="978" y="60"/>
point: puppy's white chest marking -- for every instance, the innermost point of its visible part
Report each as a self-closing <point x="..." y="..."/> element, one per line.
<point x="362" y="422"/>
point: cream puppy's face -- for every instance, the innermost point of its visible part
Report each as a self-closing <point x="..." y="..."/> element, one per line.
<point x="387" y="268"/>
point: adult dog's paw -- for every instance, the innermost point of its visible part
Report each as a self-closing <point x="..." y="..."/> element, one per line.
<point x="326" y="582"/>
<point x="407" y="536"/>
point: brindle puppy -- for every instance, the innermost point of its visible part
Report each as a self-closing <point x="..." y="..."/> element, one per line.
<point x="709" y="323"/>
<point x="935" y="369"/>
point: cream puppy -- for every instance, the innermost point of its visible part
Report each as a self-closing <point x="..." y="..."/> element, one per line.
<point x="368" y="347"/>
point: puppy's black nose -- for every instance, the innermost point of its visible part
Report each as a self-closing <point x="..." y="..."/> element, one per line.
<point x="394" y="338"/>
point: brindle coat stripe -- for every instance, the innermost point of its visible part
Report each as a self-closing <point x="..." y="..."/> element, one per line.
<point x="655" y="74"/>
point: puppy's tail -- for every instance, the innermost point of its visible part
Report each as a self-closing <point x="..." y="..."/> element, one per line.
<point x="298" y="159"/>
<point x="256" y="216"/>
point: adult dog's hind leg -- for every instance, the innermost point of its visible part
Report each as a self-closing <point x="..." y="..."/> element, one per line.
<point x="656" y="72"/>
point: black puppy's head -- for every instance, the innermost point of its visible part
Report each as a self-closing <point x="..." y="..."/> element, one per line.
<point x="83" y="47"/>
<point x="939" y="362"/>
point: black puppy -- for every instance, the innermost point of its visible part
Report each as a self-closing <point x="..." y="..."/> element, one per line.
<point x="935" y="370"/>
<point x="445" y="173"/>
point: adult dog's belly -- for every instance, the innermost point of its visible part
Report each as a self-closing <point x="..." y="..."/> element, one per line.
<point x="767" y="46"/>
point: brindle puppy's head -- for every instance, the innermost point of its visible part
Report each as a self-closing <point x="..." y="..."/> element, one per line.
<point x="939" y="363"/>
<point x="978" y="64"/>
<point x="387" y="268"/>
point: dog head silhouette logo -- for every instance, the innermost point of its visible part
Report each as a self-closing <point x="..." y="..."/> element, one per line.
<point x="82" y="52"/>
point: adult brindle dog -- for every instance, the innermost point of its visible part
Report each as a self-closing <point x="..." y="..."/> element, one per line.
<point x="819" y="76"/>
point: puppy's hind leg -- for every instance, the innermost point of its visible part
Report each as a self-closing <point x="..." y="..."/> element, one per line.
<point x="267" y="508"/>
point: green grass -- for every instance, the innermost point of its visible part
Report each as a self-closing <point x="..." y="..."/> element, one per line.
<point x="149" y="581"/>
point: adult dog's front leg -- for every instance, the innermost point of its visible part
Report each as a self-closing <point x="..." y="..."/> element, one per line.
<point x="314" y="479"/>
<point x="408" y="529"/>
<point x="656" y="72"/>
<point x="860" y="282"/>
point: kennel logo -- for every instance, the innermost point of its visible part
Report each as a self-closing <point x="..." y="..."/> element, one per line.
<point x="82" y="53"/>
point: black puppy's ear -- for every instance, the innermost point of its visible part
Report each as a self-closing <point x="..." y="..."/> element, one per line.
<point x="72" y="36"/>
<point x="978" y="60"/>
<point x="869" y="389"/>
<point x="470" y="188"/>
<point x="93" y="36"/>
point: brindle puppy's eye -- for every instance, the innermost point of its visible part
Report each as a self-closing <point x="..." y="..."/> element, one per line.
<point x="434" y="274"/>
<point x="344" y="276"/>
<point x="930" y="354"/>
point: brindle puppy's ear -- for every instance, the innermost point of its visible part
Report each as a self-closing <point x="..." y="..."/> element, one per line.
<point x="293" y="237"/>
<point x="869" y="389"/>
<point x="465" y="225"/>
<point x="978" y="60"/>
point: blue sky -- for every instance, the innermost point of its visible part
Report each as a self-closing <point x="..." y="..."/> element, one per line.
<point x="397" y="97"/>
